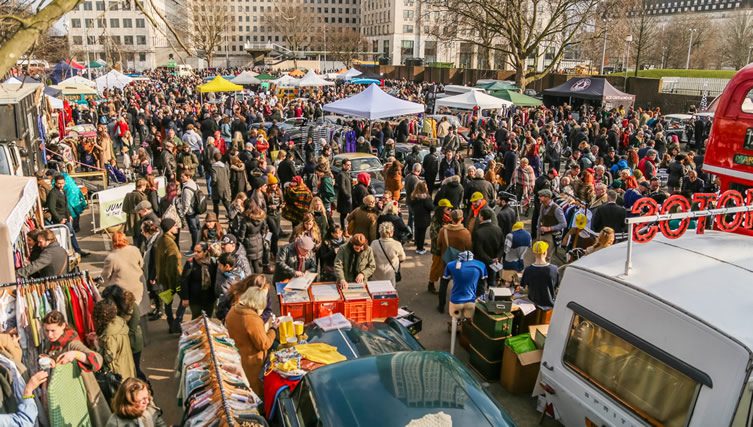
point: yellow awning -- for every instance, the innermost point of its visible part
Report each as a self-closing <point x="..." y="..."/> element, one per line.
<point x="218" y="84"/>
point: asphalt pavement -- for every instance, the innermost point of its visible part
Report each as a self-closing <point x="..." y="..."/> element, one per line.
<point x="158" y="357"/>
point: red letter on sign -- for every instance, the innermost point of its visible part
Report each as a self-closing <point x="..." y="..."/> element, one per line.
<point x="749" y="214"/>
<point x="704" y="201"/>
<point x="643" y="233"/>
<point x="666" y="207"/>
<point x="721" y="220"/>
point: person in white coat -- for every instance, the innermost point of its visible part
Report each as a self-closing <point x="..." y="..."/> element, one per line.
<point x="388" y="254"/>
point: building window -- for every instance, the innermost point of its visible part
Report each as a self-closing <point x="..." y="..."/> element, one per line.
<point x="406" y="48"/>
<point x="76" y="23"/>
<point x="101" y="23"/>
<point x="90" y="40"/>
<point x="128" y="40"/>
<point x="386" y="47"/>
<point x="113" y="5"/>
<point x="142" y="57"/>
<point x="77" y="40"/>
<point x="127" y="5"/>
<point x="140" y="23"/>
<point x="114" y="23"/>
<point x="430" y="51"/>
<point x="407" y="28"/>
<point x="127" y="23"/>
<point x="87" y="5"/>
<point x="115" y="40"/>
<point x="89" y="23"/>
<point x="549" y="53"/>
<point x="141" y="40"/>
<point x="100" y="5"/>
<point x="407" y="14"/>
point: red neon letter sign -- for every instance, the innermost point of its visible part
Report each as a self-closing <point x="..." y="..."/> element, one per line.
<point x="680" y="201"/>
<point x="721" y="220"/>
<point x="643" y="233"/>
<point x="704" y="201"/>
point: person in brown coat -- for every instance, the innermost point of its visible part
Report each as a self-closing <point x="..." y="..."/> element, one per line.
<point x="453" y="235"/>
<point x="393" y="178"/>
<point x="124" y="266"/>
<point x="252" y="336"/>
<point x="363" y="219"/>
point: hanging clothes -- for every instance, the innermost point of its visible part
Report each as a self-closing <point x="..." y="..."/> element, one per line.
<point x="65" y="394"/>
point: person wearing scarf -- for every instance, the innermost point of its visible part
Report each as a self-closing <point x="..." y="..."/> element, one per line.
<point x="198" y="280"/>
<point x="297" y="198"/>
<point x="478" y="203"/>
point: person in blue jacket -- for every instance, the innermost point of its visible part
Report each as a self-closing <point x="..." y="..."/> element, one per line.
<point x="27" y="413"/>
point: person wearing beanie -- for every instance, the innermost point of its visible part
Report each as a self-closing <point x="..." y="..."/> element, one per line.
<point x="211" y="231"/>
<point x="517" y="243"/>
<point x="144" y="212"/>
<point x="295" y="259"/>
<point x="362" y="189"/>
<point x="168" y="264"/>
<point x="540" y="278"/>
<point x="551" y="222"/>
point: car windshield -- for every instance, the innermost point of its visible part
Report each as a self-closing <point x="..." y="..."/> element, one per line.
<point x="393" y="390"/>
<point x="4" y="163"/>
<point x="365" y="164"/>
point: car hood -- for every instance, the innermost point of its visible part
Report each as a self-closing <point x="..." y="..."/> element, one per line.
<point x="364" y="339"/>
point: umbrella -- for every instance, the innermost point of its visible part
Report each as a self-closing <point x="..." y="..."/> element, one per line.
<point x="297" y="73"/>
<point x="219" y="84"/>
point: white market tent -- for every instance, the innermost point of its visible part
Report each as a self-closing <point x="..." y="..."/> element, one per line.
<point x="286" y="81"/>
<point x="113" y="79"/>
<point x="311" y="79"/>
<point x="77" y="80"/>
<point x="246" y="78"/>
<point x="373" y="104"/>
<point x="55" y="103"/>
<point x="349" y="74"/>
<point x="20" y="196"/>
<point x="472" y="99"/>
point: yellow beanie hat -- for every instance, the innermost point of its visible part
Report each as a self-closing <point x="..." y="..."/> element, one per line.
<point x="517" y="226"/>
<point x="540" y="247"/>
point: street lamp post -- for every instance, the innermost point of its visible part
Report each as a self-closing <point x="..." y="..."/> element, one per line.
<point x="690" y="45"/>
<point x="628" y="39"/>
<point x="604" y="49"/>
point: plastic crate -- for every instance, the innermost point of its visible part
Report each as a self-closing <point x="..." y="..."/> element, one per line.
<point x="383" y="308"/>
<point x="298" y="310"/>
<point x="326" y="308"/>
<point x="358" y="311"/>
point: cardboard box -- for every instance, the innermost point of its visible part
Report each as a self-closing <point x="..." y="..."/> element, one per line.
<point x="520" y="371"/>
<point x="538" y="334"/>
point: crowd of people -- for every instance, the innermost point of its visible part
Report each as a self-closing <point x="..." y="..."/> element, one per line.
<point x="573" y="172"/>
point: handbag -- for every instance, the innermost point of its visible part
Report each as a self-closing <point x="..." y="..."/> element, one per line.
<point x="450" y="254"/>
<point x="398" y="275"/>
<point x="108" y="381"/>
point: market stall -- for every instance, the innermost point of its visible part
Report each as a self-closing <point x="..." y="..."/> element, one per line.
<point x="474" y="99"/>
<point x="587" y="90"/>
<point x="112" y="80"/>
<point x="286" y="81"/>
<point x="373" y="104"/>
<point x="78" y="80"/>
<point x="518" y="99"/>
<point x="349" y="74"/>
<point x="311" y="79"/>
<point x="219" y="84"/>
<point x="246" y="78"/>
<point x="76" y="92"/>
<point x="20" y="213"/>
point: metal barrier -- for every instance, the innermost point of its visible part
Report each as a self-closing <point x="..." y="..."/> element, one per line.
<point x="101" y="174"/>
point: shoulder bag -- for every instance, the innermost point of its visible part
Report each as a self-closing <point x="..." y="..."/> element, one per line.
<point x="450" y="254"/>
<point x="398" y="275"/>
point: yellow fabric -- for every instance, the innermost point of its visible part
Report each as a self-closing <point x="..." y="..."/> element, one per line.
<point x="320" y="353"/>
<point x="218" y="84"/>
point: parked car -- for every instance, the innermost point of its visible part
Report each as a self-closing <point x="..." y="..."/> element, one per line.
<point x="391" y="389"/>
<point x="362" y="162"/>
<point x="676" y="124"/>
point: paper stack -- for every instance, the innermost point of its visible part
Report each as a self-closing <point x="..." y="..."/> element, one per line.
<point x="355" y="291"/>
<point x="301" y="283"/>
<point x="381" y="289"/>
<point x="326" y="292"/>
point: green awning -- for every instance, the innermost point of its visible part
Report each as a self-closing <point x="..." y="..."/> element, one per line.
<point x="98" y="63"/>
<point x="265" y="76"/>
<point x="517" y="98"/>
<point x="498" y="85"/>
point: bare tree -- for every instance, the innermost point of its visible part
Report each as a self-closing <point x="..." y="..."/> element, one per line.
<point x="737" y="39"/>
<point x="524" y="28"/>
<point x="210" y="20"/>
<point x="300" y="27"/>
<point x="644" y="27"/>
<point x="345" y="45"/>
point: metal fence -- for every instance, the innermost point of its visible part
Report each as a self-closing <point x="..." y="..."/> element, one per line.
<point x="693" y="86"/>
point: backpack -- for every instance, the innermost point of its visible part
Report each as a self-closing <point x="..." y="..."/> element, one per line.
<point x="199" y="202"/>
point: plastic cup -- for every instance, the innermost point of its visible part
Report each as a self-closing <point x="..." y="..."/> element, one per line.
<point x="298" y="326"/>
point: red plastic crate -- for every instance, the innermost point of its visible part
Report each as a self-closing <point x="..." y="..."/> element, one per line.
<point x="326" y="308"/>
<point x="358" y="311"/>
<point x="298" y="310"/>
<point x="385" y="307"/>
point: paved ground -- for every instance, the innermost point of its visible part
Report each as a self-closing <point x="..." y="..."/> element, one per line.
<point x="158" y="358"/>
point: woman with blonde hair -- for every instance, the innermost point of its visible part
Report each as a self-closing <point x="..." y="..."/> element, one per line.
<point x="123" y="266"/>
<point x="251" y="334"/>
<point x="308" y="227"/>
<point x="604" y="240"/>
<point x="320" y="215"/>
<point x="388" y="254"/>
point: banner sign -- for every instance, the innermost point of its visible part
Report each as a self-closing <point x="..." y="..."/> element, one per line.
<point x="730" y="211"/>
<point x="111" y="205"/>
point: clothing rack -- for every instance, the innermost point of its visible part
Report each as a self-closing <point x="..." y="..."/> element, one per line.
<point x="215" y="367"/>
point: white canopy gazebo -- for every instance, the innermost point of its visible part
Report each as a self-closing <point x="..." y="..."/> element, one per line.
<point x="311" y="79"/>
<point x="472" y="99"/>
<point x="286" y="81"/>
<point x="246" y="78"/>
<point x="373" y="104"/>
<point x="77" y="80"/>
<point x="349" y="74"/>
<point x="113" y="79"/>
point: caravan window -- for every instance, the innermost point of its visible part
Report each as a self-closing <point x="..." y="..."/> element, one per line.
<point x="609" y="358"/>
<point x="747" y="106"/>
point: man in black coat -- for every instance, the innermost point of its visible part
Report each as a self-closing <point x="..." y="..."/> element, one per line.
<point x="450" y="190"/>
<point x="487" y="246"/>
<point x="506" y="215"/>
<point x="477" y="183"/>
<point x="449" y="163"/>
<point x="431" y="168"/>
<point x="344" y="185"/>
<point x="541" y="183"/>
<point x="609" y="214"/>
<point x="57" y="204"/>
<point x="286" y="168"/>
<point x="510" y="162"/>
<point x="52" y="260"/>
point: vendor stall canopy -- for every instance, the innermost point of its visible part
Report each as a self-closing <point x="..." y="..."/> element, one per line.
<point x="219" y="84"/>
<point x="286" y="81"/>
<point x="348" y="74"/>
<point x="311" y="79"/>
<point x="246" y="78"/>
<point x="374" y="104"/>
<point x="472" y="99"/>
<point x="78" y="80"/>
<point x="20" y="196"/>
<point x="588" y="90"/>
<point x="518" y="99"/>
<point x="113" y="79"/>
